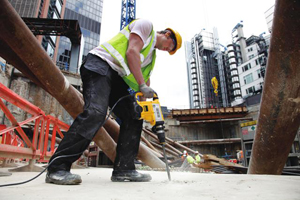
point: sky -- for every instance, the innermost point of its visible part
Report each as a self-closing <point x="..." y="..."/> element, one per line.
<point x="169" y="77"/>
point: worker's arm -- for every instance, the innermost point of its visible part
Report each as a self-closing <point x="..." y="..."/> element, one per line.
<point x="134" y="61"/>
<point x="133" y="57"/>
<point x="148" y="82"/>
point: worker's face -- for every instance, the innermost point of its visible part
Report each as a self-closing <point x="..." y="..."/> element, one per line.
<point x="167" y="43"/>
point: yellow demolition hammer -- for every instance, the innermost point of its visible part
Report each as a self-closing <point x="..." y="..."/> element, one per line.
<point x="151" y="112"/>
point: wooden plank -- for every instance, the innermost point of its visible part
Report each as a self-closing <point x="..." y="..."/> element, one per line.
<point x="194" y="111"/>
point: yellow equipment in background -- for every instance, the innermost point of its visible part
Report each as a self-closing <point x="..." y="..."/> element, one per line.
<point x="215" y="84"/>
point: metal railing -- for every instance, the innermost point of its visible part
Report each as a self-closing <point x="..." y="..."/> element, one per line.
<point x="15" y="142"/>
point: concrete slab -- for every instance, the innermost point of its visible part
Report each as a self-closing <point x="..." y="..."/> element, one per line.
<point x="97" y="185"/>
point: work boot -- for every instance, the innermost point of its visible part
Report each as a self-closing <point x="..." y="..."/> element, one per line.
<point x="129" y="175"/>
<point x="63" y="178"/>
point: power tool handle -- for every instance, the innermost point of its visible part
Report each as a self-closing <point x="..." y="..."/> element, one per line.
<point x="140" y="94"/>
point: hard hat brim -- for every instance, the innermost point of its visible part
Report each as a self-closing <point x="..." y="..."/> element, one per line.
<point x="178" y="41"/>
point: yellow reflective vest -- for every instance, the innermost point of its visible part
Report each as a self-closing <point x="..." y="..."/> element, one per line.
<point x="190" y="159"/>
<point x="117" y="48"/>
<point x="197" y="158"/>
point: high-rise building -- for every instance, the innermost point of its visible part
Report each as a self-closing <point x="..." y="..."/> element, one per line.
<point x="239" y="69"/>
<point x="251" y="72"/>
<point x="87" y="12"/>
<point x="204" y="61"/>
<point x="89" y="15"/>
<point x="245" y="62"/>
<point x="51" y="9"/>
<point x="234" y="56"/>
<point x="269" y="17"/>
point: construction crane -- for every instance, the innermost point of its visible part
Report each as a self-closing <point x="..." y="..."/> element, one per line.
<point x="225" y="48"/>
<point x="127" y="12"/>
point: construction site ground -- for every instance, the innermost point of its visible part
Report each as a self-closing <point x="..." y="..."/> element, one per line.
<point x="184" y="185"/>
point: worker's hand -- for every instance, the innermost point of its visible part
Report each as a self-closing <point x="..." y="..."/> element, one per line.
<point x="147" y="91"/>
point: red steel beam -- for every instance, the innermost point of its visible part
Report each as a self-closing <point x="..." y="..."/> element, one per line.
<point x="59" y="123"/>
<point x="279" y="115"/>
<point x="18" y="101"/>
<point x="15" y="124"/>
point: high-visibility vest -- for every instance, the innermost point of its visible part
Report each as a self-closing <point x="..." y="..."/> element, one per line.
<point x="197" y="158"/>
<point x="117" y="48"/>
<point x="190" y="159"/>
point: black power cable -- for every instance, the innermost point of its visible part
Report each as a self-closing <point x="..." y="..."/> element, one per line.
<point x="65" y="156"/>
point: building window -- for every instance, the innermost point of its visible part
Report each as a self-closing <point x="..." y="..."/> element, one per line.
<point x="50" y="50"/>
<point x="234" y="73"/>
<point x="256" y="62"/>
<point x="250" y="90"/>
<point x="248" y="79"/>
<point x="58" y="6"/>
<point x="250" y="49"/>
<point x="251" y="56"/>
<point x="237" y="92"/>
<point x="246" y="67"/>
<point x="259" y="73"/>
<point x="236" y="85"/>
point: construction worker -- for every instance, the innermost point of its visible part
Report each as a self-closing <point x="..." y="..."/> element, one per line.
<point x="240" y="156"/>
<point x="125" y="61"/>
<point x="183" y="155"/>
<point x="197" y="157"/>
<point x="187" y="161"/>
<point x="190" y="159"/>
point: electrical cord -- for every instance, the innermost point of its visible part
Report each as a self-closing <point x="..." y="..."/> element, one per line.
<point x="65" y="156"/>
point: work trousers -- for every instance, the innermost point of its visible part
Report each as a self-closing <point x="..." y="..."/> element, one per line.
<point x="101" y="90"/>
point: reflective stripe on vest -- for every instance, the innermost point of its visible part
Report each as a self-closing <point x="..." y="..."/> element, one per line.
<point x="117" y="48"/>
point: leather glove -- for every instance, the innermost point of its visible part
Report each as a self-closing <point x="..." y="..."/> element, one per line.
<point x="147" y="91"/>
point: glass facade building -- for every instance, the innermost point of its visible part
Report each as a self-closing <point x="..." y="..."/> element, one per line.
<point x="51" y="9"/>
<point x="269" y="14"/>
<point x="89" y="15"/>
<point x="25" y="8"/>
<point x="54" y="12"/>
<point x="204" y="61"/>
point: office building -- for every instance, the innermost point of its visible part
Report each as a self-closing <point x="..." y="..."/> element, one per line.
<point x="89" y="15"/>
<point x="204" y="61"/>
<point x="245" y="65"/>
<point x="269" y="17"/>
<point x="51" y="9"/>
<point x="239" y="68"/>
